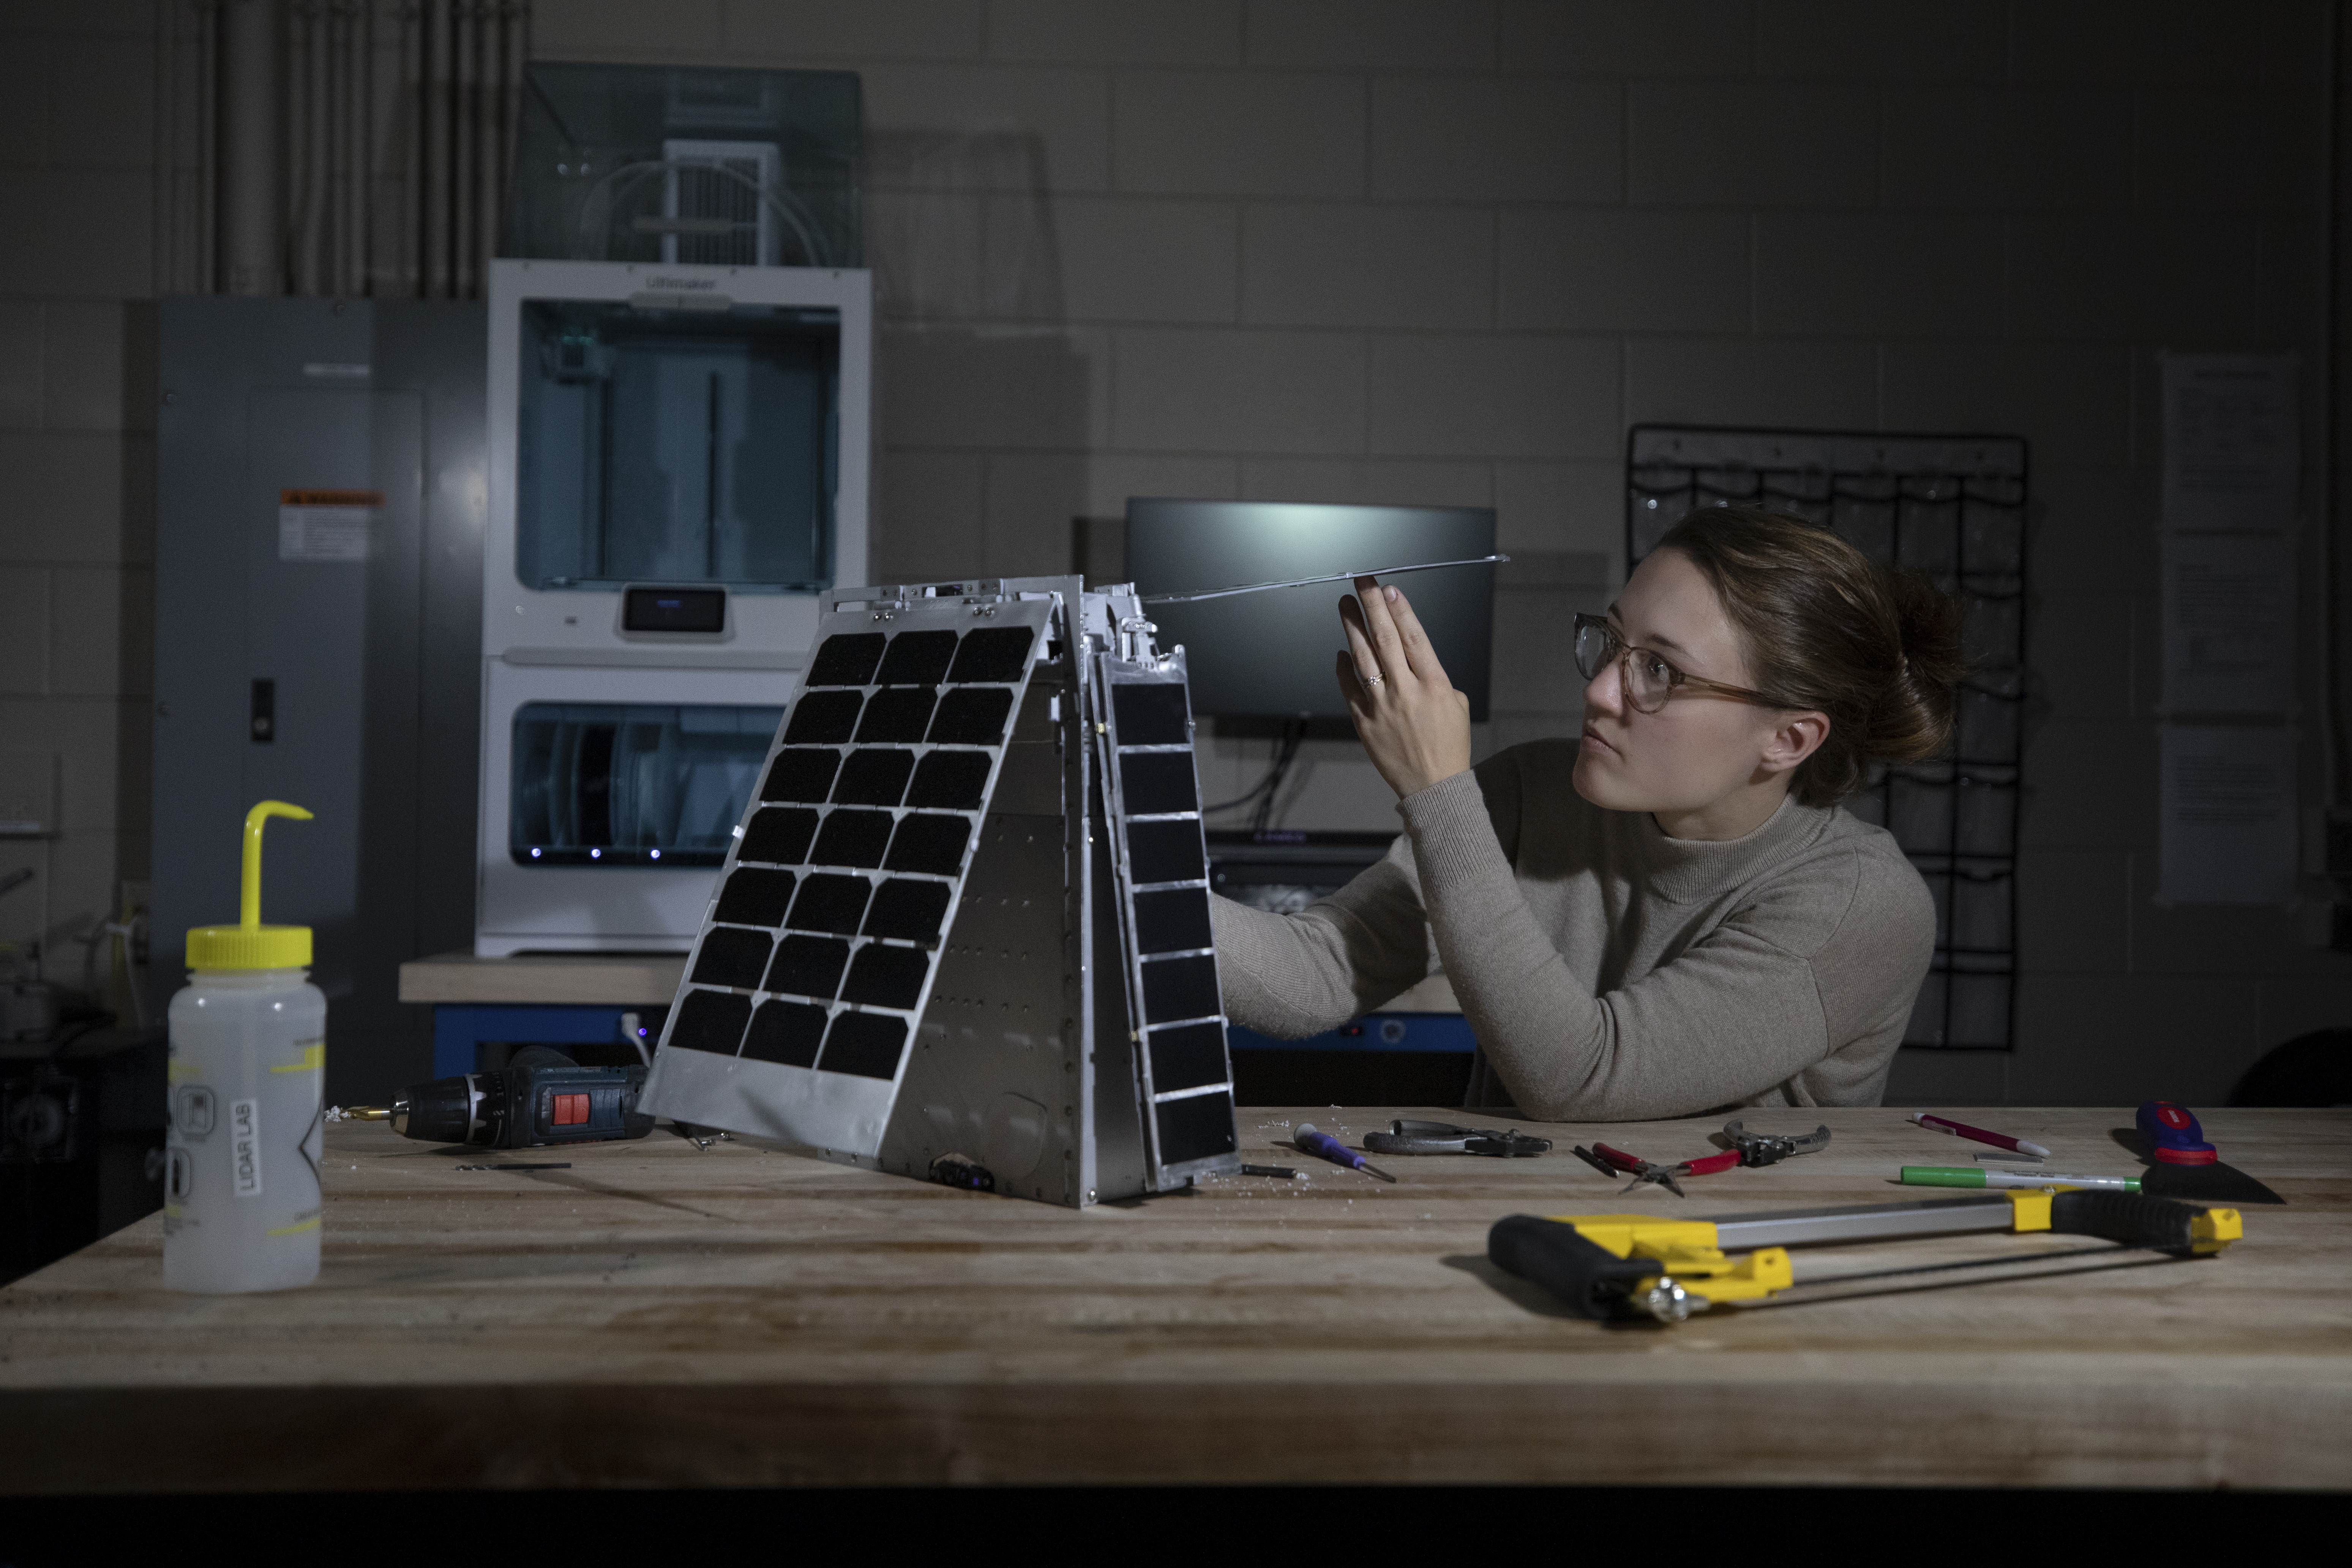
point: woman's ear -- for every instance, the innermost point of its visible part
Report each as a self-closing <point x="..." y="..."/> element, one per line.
<point x="1794" y="737"/>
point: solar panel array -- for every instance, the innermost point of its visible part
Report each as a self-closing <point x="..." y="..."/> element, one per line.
<point x="1016" y="764"/>
<point x="818" y="951"/>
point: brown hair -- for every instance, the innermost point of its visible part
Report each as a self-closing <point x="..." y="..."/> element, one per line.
<point x="1877" y="649"/>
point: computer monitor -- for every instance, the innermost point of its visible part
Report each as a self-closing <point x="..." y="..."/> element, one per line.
<point x="1269" y="655"/>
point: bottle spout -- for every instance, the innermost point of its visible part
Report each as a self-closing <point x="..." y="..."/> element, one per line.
<point x="249" y="944"/>
<point x="249" y="902"/>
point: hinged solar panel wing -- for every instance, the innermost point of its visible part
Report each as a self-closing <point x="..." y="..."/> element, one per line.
<point x="1175" y="1011"/>
<point x="822" y="940"/>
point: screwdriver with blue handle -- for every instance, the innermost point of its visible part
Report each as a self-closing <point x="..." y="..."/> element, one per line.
<point x="1323" y="1146"/>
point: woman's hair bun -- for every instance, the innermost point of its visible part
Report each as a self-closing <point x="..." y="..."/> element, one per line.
<point x="1878" y="650"/>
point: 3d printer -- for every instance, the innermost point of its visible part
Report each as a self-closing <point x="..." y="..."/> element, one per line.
<point x="680" y="374"/>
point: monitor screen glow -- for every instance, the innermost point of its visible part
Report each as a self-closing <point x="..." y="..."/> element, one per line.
<point x="1269" y="655"/>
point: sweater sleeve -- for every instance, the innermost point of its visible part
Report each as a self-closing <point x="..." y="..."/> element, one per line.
<point x="1295" y="976"/>
<point x="1737" y="1013"/>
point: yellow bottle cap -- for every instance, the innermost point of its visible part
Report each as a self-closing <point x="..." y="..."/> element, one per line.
<point x="249" y="944"/>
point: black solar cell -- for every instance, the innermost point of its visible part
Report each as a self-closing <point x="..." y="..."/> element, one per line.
<point x="779" y="836"/>
<point x="847" y="658"/>
<point x="1177" y="988"/>
<point x="754" y="896"/>
<point x="823" y="719"/>
<point x="1166" y="851"/>
<point x="896" y="714"/>
<point x="973" y="718"/>
<point x="731" y="957"/>
<point x="950" y="781"/>
<point x="929" y="844"/>
<point x="852" y="838"/>
<point x="916" y="659"/>
<point x="874" y="778"/>
<point x="910" y="911"/>
<point x="801" y="775"/>
<point x="1195" y="1127"/>
<point x="830" y="903"/>
<point x="711" y="1021"/>
<point x="1154" y="781"/>
<point x="1173" y="921"/>
<point x="786" y="1032"/>
<point x="994" y="653"/>
<point x="1187" y="1057"/>
<point x="867" y="1044"/>
<point x="1152" y="715"/>
<point x="887" y="977"/>
<point x="808" y="966"/>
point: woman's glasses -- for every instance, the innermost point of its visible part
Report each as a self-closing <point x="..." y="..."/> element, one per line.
<point x="1647" y="678"/>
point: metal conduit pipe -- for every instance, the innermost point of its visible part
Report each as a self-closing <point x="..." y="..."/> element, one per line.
<point x="312" y="251"/>
<point x="251" y="207"/>
<point x="433" y="112"/>
<point x="411" y="239"/>
<point x="359" y="237"/>
<point x="465" y="116"/>
<point x="514" y="49"/>
<point x="308" y="150"/>
<point x="210" y="266"/>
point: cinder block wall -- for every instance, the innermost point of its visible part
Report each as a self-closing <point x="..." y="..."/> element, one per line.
<point x="1418" y="250"/>
<point x="76" y="455"/>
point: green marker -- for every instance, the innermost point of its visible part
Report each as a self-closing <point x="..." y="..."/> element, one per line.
<point x="1976" y="1176"/>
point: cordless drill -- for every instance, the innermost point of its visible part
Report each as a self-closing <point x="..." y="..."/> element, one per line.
<point x="543" y="1097"/>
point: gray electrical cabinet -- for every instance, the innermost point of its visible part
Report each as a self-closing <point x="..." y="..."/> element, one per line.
<point x="321" y="484"/>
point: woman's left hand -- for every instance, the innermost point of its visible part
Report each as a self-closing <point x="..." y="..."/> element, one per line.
<point x="1414" y="726"/>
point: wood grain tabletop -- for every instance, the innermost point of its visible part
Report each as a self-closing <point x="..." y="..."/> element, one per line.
<point x="663" y="1315"/>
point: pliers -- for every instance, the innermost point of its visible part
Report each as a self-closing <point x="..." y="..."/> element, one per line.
<point x="1769" y="1148"/>
<point x="1444" y="1138"/>
<point x="1616" y="1161"/>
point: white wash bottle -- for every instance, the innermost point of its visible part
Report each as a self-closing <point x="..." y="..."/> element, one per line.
<point x="248" y="1082"/>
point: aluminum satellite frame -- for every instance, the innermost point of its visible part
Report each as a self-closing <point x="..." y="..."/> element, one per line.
<point x="1068" y="1035"/>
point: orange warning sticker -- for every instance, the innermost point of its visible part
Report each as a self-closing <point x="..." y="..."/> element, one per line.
<point x="330" y="498"/>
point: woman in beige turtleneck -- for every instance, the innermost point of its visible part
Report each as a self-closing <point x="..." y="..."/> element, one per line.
<point x="1671" y="914"/>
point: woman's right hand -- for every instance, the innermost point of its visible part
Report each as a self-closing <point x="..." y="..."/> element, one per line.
<point x="1414" y="726"/>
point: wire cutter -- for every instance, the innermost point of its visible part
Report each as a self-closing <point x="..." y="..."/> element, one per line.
<point x="1444" y="1138"/>
<point x="1616" y="1161"/>
<point x="1769" y="1148"/>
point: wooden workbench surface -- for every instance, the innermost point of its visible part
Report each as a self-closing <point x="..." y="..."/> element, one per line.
<point x="661" y="1315"/>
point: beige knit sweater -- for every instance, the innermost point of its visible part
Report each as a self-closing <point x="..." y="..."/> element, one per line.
<point x="1610" y="972"/>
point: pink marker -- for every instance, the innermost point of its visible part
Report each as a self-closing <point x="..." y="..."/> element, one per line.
<point x="1962" y="1130"/>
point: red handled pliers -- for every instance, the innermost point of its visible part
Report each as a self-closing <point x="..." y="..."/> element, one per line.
<point x="1614" y="1162"/>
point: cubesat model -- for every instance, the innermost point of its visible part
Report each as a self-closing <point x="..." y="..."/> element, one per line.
<point x="966" y="914"/>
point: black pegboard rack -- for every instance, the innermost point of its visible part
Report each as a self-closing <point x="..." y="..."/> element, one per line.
<point x="1953" y="506"/>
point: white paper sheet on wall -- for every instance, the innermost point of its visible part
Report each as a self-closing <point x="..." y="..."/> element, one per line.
<point x="2228" y="622"/>
<point x="2232" y="456"/>
<point x="2227" y="834"/>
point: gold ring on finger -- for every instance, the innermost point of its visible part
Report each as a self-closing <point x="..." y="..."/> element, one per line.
<point x="1372" y="679"/>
